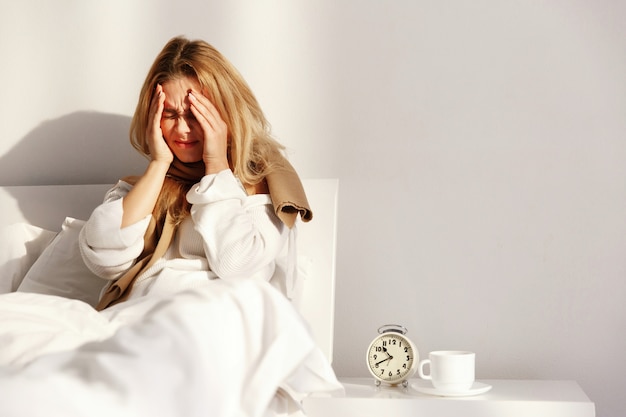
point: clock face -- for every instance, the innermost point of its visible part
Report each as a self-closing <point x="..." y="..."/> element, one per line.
<point x="391" y="358"/>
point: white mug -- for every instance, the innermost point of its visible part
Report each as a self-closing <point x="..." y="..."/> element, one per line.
<point x="450" y="370"/>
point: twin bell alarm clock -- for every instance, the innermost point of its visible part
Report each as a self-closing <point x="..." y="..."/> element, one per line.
<point x="391" y="357"/>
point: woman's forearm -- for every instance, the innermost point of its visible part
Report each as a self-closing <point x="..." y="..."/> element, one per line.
<point x="141" y="199"/>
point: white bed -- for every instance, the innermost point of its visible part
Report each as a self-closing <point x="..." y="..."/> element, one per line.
<point x="158" y="357"/>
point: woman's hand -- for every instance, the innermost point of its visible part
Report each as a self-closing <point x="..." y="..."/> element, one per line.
<point x="215" y="153"/>
<point x="141" y="199"/>
<point x="159" y="151"/>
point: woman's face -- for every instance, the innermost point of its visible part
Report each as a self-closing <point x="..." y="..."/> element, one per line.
<point x="181" y="130"/>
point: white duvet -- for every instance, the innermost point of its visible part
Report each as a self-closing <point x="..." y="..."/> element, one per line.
<point x="221" y="349"/>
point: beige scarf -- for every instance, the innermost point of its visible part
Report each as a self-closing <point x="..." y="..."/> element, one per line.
<point x="288" y="199"/>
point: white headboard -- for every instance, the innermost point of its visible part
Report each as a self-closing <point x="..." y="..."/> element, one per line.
<point x="48" y="205"/>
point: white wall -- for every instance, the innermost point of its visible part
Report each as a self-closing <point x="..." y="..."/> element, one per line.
<point x="480" y="147"/>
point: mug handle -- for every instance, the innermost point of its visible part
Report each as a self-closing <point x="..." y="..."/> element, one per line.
<point x="420" y="369"/>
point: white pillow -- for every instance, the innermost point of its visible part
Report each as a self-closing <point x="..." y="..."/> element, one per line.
<point x="60" y="269"/>
<point x="20" y="246"/>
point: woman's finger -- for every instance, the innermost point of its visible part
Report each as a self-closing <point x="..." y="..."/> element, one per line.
<point x="158" y="147"/>
<point x="205" y="110"/>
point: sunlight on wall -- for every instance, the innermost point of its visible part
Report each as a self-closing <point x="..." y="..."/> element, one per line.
<point x="284" y="57"/>
<point x="68" y="56"/>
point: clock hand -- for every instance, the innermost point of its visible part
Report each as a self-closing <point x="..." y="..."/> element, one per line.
<point x="384" y="360"/>
<point x="389" y="357"/>
<point x="385" y="350"/>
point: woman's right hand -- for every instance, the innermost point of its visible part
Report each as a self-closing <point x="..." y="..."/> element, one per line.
<point x="141" y="199"/>
<point x="159" y="151"/>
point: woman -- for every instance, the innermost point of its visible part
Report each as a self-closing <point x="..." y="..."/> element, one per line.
<point x="217" y="199"/>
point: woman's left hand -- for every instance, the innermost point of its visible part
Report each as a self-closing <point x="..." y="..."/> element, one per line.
<point x="215" y="133"/>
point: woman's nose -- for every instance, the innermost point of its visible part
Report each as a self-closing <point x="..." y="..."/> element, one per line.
<point x="182" y="126"/>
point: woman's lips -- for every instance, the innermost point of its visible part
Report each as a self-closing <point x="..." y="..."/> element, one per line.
<point x="186" y="144"/>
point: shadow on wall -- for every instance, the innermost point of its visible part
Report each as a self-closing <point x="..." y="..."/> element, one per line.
<point x="79" y="148"/>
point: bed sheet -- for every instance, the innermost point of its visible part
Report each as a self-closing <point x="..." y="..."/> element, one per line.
<point x="219" y="349"/>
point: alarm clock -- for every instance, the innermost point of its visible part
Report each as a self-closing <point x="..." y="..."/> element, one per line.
<point x="391" y="357"/>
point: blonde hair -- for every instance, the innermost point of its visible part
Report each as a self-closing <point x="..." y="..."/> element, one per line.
<point x="252" y="150"/>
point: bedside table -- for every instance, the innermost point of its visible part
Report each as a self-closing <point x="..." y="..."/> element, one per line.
<point x="510" y="398"/>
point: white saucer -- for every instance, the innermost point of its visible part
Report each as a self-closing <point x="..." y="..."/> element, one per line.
<point x="426" y="387"/>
